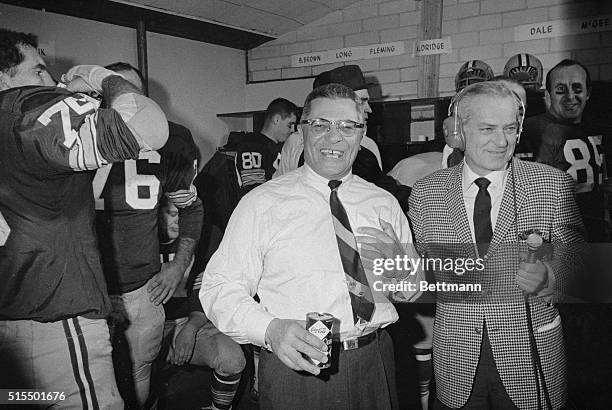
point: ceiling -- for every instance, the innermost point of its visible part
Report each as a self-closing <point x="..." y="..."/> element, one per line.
<point x="241" y="24"/>
<point x="268" y="17"/>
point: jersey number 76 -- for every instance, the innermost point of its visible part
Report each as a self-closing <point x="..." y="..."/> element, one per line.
<point x="133" y="183"/>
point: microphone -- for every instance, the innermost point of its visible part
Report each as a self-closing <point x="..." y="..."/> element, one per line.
<point x="534" y="241"/>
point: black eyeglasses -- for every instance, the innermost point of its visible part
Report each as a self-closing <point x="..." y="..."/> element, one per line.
<point x="321" y="126"/>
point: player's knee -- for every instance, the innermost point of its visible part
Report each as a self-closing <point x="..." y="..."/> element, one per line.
<point x="230" y="360"/>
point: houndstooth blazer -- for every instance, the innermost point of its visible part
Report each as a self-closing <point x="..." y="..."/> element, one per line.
<point x="536" y="196"/>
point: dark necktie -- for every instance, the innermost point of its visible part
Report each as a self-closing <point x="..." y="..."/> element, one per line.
<point x="483" y="231"/>
<point x="359" y="290"/>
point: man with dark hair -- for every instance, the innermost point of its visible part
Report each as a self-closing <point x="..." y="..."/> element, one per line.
<point x="127" y="199"/>
<point x="54" y="302"/>
<point x="257" y="153"/>
<point x="566" y="63"/>
<point x="126" y="67"/>
<point x="280" y="110"/>
<point x="561" y="139"/>
<point x="290" y="242"/>
<point x="368" y="164"/>
<point x="16" y="47"/>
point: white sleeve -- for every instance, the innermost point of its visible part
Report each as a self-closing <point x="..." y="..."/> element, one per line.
<point x="290" y="154"/>
<point x="231" y="278"/>
<point x="445" y="154"/>
<point x="404" y="233"/>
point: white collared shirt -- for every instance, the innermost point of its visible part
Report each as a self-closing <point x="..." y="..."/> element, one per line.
<point x="280" y="244"/>
<point x="470" y="190"/>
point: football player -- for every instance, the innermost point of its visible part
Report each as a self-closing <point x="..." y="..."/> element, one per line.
<point x="53" y="298"/>
<point x="561" y="139"/>
<point x="188" y="334"/>
<point x="258" y="153"/>
<point x="127" y="196"/>
<point x="527" y="70"/>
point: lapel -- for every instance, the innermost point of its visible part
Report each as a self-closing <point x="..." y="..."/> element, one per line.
<point x="514" y="197"/>
<point x="455" y="205"/>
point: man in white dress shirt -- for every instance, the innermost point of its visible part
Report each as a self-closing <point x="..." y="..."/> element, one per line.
<point x="281" y="244"/>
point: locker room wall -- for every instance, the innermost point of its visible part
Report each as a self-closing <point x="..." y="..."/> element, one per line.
<point x="480" y="29"/>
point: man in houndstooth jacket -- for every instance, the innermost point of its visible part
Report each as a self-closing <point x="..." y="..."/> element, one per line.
<point x="481" y="345"/>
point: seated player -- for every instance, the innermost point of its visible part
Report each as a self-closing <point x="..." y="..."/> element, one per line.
<point x="191" y="337"/>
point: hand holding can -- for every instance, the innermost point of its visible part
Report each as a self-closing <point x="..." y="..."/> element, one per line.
<point x="321" y="325"/>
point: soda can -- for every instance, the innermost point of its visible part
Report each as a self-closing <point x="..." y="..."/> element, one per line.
<point x="321" y="325"/>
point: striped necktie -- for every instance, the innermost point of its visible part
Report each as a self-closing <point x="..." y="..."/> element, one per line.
<point x="359" y="291"/>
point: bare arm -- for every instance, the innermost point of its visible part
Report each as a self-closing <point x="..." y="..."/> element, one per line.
<point x="161" y="287"/>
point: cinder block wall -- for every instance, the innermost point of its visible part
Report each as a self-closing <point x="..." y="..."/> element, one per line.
<point x="481" y="29"/>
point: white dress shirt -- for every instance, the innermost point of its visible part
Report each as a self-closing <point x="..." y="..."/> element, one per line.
<point x="280" y="243"/>
<point x="446" y="151"/>
<point x="470" y="190"/>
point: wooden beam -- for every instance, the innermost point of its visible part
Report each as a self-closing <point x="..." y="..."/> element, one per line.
<point x="141" y="43"/>
<point x="429" y="66"/>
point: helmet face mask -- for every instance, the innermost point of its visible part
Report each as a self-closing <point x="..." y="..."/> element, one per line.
<point x="526" y="69"/>
<point x="473" y="71"/>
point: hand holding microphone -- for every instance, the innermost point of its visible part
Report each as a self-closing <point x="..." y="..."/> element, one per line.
<point x="532" y="275"/>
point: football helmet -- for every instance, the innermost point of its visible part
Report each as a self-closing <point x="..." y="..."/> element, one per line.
<point x="526" y="69"/>
<point x="473" y="71"/>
